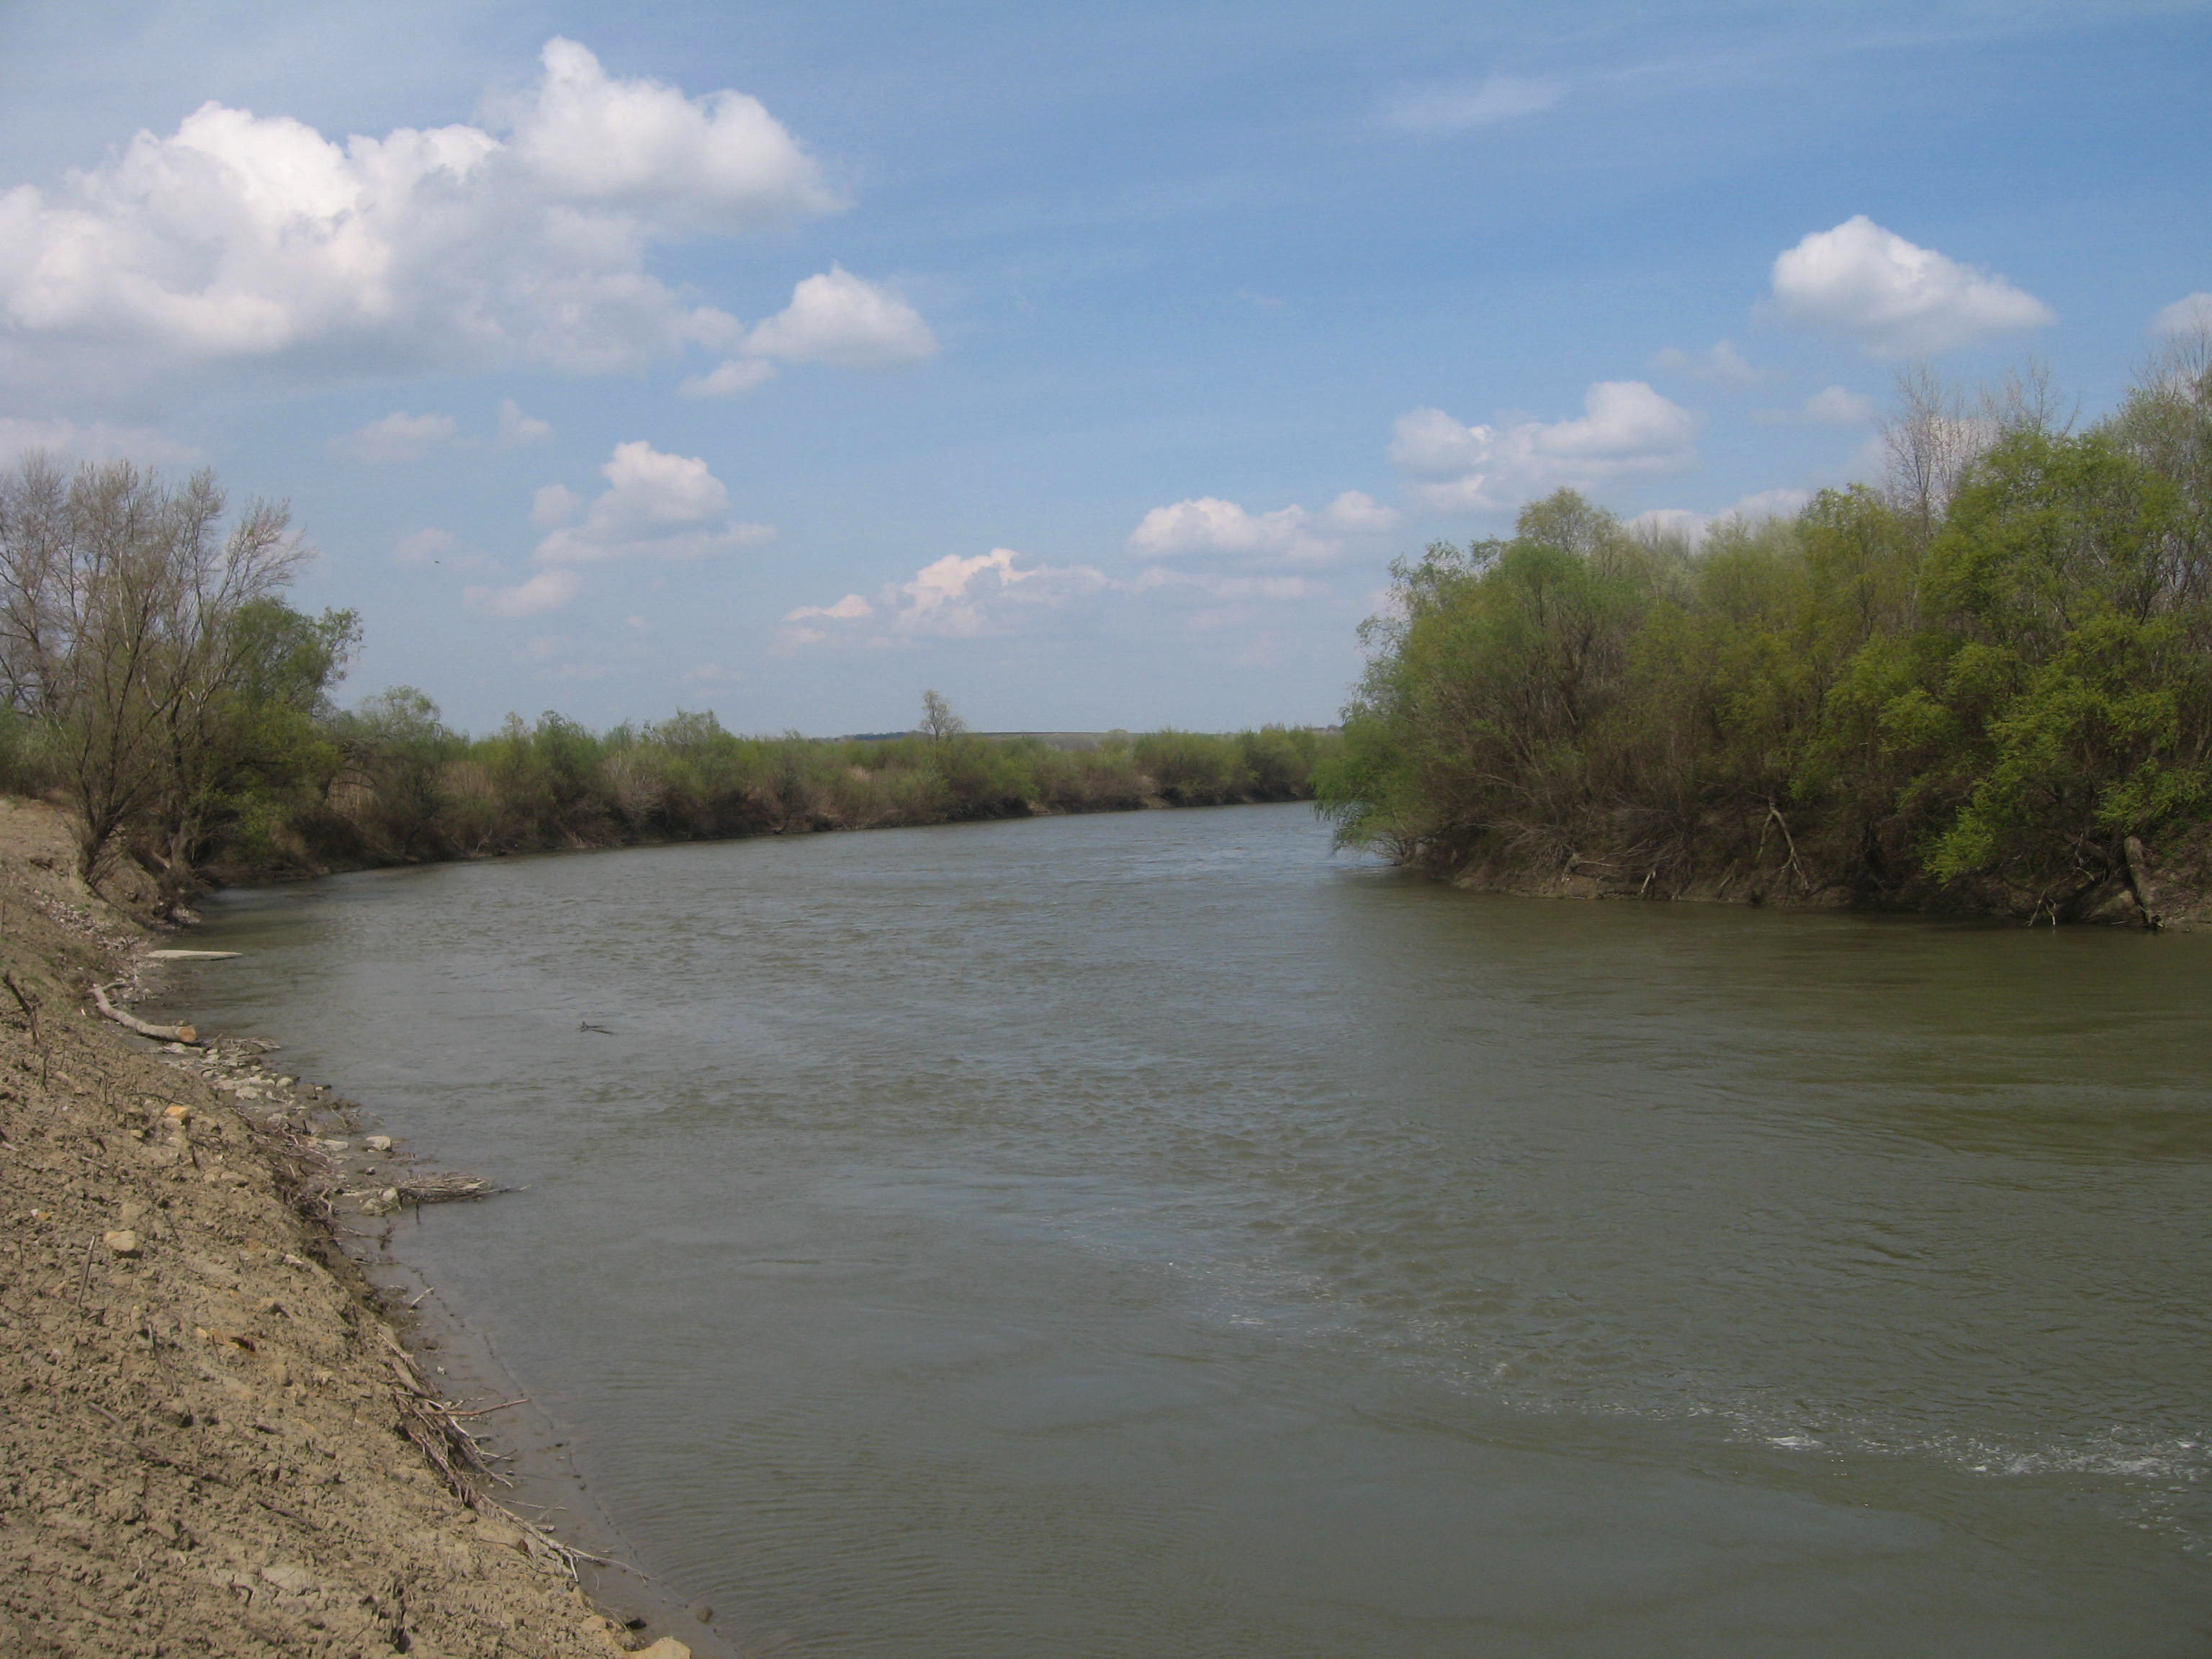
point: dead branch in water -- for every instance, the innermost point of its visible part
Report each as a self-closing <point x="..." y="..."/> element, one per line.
<point x="428" y="1188"/>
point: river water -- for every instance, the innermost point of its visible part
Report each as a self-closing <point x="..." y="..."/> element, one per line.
<point x="1148" y="1234"/>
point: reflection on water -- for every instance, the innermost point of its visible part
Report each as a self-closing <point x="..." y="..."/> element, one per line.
<point x="1145" y="1235"/>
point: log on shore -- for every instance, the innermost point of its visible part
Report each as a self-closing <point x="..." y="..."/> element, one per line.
<point x="144" y="1028"/>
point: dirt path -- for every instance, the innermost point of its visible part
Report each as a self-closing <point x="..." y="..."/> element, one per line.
<point x="210" y="1442"/>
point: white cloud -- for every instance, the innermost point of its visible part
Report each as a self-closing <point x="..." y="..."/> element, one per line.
<point x="1694" y="527"/>
<point x="516" y="430"/>
<point x="1719" y="364"/>
<point x="957" y="597"/>
<point x="423" y="546"/>
<point x="1357" y="513"/>
<point x="1895" y="299"/>
<point x="960" y="598"/>
<point x="2186" y="316"/>
<point x="1463" y="108"/>
<point x="655" y="505"/>
<point x="835" y="318"/>
<point x="840" y="319"/>
<point x="731" y="379"/>
<point x="549" y="590"/>
<point x="244" y="239"/>
<point x="717" y="163"/>
<point x="399" y="436"/>
<point x="97" y="441"/>
<point x="1626" y="431"/>
<point x="554" y="504"/>
<point x="1208" y="526"/>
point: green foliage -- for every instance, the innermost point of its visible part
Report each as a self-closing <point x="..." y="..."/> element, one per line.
<point x="404" y="787"/>
<point x="1987" y="701"/>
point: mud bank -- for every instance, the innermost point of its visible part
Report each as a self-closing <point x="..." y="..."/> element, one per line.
<point x="212" y="1442"/>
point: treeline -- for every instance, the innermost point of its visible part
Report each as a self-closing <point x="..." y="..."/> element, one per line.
<point x="398" y="786"/>
<point x="153" y="680"/>
<point x="1987" y="684"/>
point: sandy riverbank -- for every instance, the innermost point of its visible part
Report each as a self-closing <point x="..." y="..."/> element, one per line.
<point x="212" y="1441"/>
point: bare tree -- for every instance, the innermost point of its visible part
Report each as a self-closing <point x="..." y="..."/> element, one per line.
<point x="939" y="722"/>
<point x="124" y="624"/>
<point x="1928" y="439"/>
<point x="1933" y="435"/>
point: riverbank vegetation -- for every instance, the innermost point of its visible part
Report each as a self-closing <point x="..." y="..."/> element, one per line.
<point x="153" y="680"/>
<point x="1986" y="684"/>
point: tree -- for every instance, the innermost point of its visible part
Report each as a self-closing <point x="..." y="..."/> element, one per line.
<point x="939" y="722"/>
<point x="138" y="635"/>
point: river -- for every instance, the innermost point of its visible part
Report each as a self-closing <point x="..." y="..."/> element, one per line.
<point x="1149" y="1235"/>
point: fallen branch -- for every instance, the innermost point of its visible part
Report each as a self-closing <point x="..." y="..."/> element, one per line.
<point x="132" y="1022"/>
<point x="1788" y="841"/>
<point x="486" y="1411"/>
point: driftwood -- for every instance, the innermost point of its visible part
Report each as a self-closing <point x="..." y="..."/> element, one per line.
<point x="131" y="1022"/>
<point x="426" y="1187"/>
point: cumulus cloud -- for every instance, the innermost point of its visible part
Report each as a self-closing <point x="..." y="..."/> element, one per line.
<point x="516" y="430"/>
<point x="399" y="436"/>
<point x="841" y="319"/>
<point x="1719" y="364"/>
<point x="246" y="240"/>
<point x="1465" y="107"/>
<point x="2189" y="315"/>
<point x="837" y="317"/>
<point x="549" y="590"/>
<point x="1626" y="431"/>
<point x="957" y="597"/>
<point x="1208" y="526"/>
<point x="960" y="597"/>
<point x="655" y="505"/>
<point x="718" y="163"/>
<point x="1893" y="298"/>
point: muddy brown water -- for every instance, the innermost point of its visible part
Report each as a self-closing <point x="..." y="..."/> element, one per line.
<point x="1149" y="1234"/>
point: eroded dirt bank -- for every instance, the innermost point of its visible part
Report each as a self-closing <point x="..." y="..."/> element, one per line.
<point x="210" y="1442"/>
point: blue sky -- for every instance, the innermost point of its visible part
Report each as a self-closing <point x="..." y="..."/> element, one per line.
<point x="1088" y="364"/>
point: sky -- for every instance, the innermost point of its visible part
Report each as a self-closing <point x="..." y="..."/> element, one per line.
<point x="1088" y="365"/>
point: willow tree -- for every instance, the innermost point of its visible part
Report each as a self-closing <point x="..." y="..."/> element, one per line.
<point x="150" y="644"/>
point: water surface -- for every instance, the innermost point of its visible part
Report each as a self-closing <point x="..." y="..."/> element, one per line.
<point x="1146" y="1235"/>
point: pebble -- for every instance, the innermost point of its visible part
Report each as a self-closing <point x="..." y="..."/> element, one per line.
<point x="667" y="1648"/>
<point x="122" y="1241"/>
<point x="377" y="1143"/>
